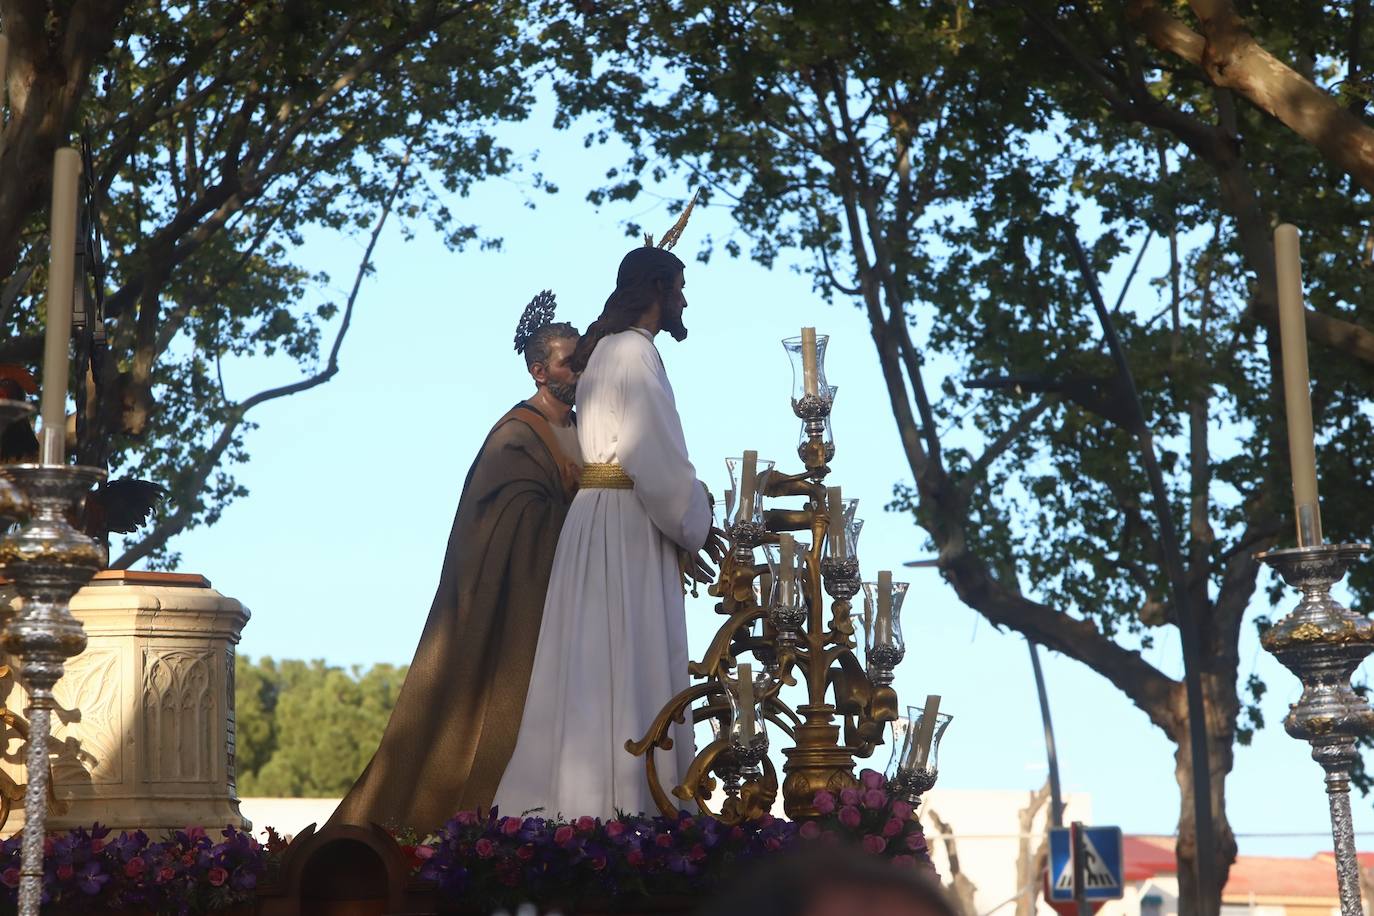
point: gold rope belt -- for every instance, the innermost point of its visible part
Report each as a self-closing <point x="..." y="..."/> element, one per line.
<point x="606" y="477"/>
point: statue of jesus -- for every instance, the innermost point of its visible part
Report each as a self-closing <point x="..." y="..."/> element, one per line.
<point x="612" y="646"/>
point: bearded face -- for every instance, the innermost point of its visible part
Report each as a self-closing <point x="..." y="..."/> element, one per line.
<point x="564" y="391"/>
<point x="674" y="302"/>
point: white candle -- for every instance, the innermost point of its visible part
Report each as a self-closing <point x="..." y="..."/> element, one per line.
<point x="746" y="702"/>
<point x="809" y="372"/>
<point x="926" y="734"/>
<point x="838" y="548"/>
<point x="1297" y="397"/>
<point x="746" y="484"/>
<point x="61" y="277"/>
<point x="787" y="548"/>
<point x="882" y="621"/>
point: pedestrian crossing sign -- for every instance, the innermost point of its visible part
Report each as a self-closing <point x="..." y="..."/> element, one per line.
<point x="1101" y="848"/>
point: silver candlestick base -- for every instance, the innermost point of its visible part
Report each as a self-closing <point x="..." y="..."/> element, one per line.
<point x="1323" y="643"/>
<point x="49" y="561"/>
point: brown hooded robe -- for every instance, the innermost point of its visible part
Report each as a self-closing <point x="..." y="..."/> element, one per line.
<point x="458" y="713"/>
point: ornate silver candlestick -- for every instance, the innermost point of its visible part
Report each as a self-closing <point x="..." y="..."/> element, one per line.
<point x="49" y="561"/>
<point x="1323" y="643"/>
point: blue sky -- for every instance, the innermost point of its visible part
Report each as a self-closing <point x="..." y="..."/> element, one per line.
<point x="337" y="548"/>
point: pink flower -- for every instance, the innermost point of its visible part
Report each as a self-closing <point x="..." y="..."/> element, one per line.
<point x="809" y="830"/>
<point x="697" y="853"/>
<point x="664" y="839"/>
<point x="916" y="842"/>
<point x="466" y="818"/>
<point x="586" y="824"/>
<point x="424" y="852"/>
<point x="218" y="876"/>
<point x="737" y="833"/>
<point x="874" y="844"/>
<point x="773" y="844"/>
<point x="48" y="846"/>
<point x="875" y="799"/>
<point x="849" y="797"/>
<point x="850" y="817"/>
<point x="598" y="862"/>
<point x="196" y="833"/>
<point x="484" y="848"/>
<point x="10" y="877"/>
<point x="165" y="874"/>
<point x="615" y="828"/>
<point x="824" y="802"/>
<point x="64" y="872"/>
<point x="872" y="779"/>
<point x="634" y="858"/>
<point x="510" y="826"/>
<point x="893" y="827"/>
<point x="525" y="853"/>
<point x="97" y="844"/>
<point x="901" y="810"/>
<point x="562" y="835"/>
<point x="686" y="824"/>
<point x="904" y="861"/>
<point x="135" y="867"/>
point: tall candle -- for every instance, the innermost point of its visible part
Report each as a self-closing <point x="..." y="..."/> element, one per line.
<point x="925" y="735"/>
<point x="746" y="484"/>
<point x="1296" y="386"/>
<point x="746" y="702"/>
<point x="835" y="500"/>
<point x="809" y="373"/>
<point x="61" y="277"/>
<point x="787" y="549"/>
<point x="882" y="620"/>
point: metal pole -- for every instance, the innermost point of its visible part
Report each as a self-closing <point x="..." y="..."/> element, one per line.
<point x="1076" y="845"/>
<point x="1056" y="797"/>
<point x="1188" y="625"/>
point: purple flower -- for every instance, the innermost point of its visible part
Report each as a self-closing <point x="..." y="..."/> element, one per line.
<point x="902" y="810"/>
<point x="874" y="844"/>
<point x="893" y="827"/>
<point x="872" y="779"/>
<point x="875" y="799"/>
<point x="91" y="880"/>
<point x="850" y="817"/>
<point x="824" y="802"/>
<point x="849" y="797"/>
<point x="916" y="842"/>
<point x="809" y="830"/>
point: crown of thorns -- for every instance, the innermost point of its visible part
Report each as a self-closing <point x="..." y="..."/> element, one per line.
<point x="673" y="234"/>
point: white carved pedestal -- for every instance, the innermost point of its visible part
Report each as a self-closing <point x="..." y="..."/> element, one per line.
<point x="145" y="736"/>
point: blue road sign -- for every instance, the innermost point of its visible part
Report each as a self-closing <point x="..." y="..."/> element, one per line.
<point x="1102" y="864"/>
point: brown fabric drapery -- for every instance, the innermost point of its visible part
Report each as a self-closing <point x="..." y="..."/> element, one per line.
<point x="458" y="713"/>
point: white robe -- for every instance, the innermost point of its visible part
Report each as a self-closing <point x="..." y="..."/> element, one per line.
<point x="613" y="643"/>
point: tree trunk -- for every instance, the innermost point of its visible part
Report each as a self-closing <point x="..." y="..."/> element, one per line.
<point x="1030" y="866"/>
<point x="1221" y="757"/>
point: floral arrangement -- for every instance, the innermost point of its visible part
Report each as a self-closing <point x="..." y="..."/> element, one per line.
<point x="486" y="859"/>
<point x="188" y="872"/>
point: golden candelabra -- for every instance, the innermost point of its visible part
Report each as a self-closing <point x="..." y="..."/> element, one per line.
<point x="788" y="634"/>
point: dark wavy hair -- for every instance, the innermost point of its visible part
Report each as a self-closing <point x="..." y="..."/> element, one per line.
<point x="645" y="275"/>
<point x="537" y="346"/>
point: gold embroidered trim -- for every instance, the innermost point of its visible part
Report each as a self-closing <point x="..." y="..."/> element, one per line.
<point x="606" y="477"/>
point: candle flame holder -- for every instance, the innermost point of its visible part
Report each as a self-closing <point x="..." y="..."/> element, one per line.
<point x="914" y="770"/>
<point x="797" y="645"/>
<point x="49" y="561"/>
<point x="1323" y="643"/>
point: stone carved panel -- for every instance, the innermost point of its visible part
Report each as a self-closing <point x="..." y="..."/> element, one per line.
<point x="179" y="725"/>
<point x="88" y="726"/>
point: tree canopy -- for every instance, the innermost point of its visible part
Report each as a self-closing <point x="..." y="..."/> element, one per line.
<point x="307" y="729"/>
<point x="221" y="134"/>
<point x="924" y="161"/>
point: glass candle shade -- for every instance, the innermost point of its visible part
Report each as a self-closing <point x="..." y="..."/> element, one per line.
<point x="808" y="400"/>
<point x="882" y="623"/>
<point x="841" y="534"/>
<point x="818" y="450"/>
<point x="748" y="734"/>
<point x="747" y="504"/>
<point x="765" y="588"/>
<point x="900" y="727"/>
<point x="788" y="589"/>
<point x="920" y="749"/>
